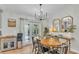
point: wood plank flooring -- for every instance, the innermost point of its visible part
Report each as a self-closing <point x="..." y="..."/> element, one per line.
<point x="25" y="50"/>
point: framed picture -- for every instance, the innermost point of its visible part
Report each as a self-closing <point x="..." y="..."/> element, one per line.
<point x="57" y="24"/>
<point x="67" y="22"/>
<point x="11" y="22"/>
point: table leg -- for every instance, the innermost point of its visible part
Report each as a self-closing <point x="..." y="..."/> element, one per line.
<point x="69" y="45"/>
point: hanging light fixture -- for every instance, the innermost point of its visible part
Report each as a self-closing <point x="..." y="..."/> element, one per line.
<point x="41" y="14"/>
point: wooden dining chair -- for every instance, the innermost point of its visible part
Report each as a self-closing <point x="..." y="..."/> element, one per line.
<point x="64" y="49"/>
<point x="43" y="49"/>
<point x="36" y="45"/>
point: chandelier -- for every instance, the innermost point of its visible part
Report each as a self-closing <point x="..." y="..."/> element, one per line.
<point x="41" y="14"/>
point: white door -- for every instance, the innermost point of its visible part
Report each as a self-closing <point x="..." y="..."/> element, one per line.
<point x="35" y="29"/>
<point x="27" y="34"/>
<point x="30" y="29"/>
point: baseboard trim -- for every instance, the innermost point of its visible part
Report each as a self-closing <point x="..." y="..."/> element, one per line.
<point x="74" y="51"/>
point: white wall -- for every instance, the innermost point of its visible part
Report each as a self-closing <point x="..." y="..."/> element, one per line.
<point x="13" y="30"/>
<point x="70" y="10"/>
<point x="10" y="30"/>
<point x="75" y="43"/>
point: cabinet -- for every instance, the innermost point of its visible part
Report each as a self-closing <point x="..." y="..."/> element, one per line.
<point x="7" y="43"/>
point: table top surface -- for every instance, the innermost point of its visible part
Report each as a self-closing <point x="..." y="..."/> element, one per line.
<point x="7" y="36"/>
<point x="52" y="42"/>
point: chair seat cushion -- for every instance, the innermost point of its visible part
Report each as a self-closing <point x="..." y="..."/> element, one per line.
<point x="45" y="49"/>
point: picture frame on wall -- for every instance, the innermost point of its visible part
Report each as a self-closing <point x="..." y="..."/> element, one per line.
<point x="11" y="22"/>
<point x="57" y="24"/>
<point x="67" y="23"/>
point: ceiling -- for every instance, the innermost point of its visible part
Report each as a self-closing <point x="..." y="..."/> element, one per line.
<point x="29" y="9"/>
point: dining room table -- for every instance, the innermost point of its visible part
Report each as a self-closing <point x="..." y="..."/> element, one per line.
<point x="52" y="43"/>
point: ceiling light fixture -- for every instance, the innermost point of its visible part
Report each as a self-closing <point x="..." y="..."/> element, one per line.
<point x="41" y="14"/>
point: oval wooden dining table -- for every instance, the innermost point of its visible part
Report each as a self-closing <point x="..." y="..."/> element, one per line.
<point x="54" y="43"/>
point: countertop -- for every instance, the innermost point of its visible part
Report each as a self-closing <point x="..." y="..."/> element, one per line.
<point x="7" y="36"/>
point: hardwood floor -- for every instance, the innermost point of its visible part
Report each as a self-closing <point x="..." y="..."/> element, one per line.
<point x="25" y="50"/>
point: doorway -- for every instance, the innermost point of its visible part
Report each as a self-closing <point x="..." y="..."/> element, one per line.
<point x="29" y="29"/>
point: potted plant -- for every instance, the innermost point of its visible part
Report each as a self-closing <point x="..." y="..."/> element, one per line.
<point x="72" y="28"/>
